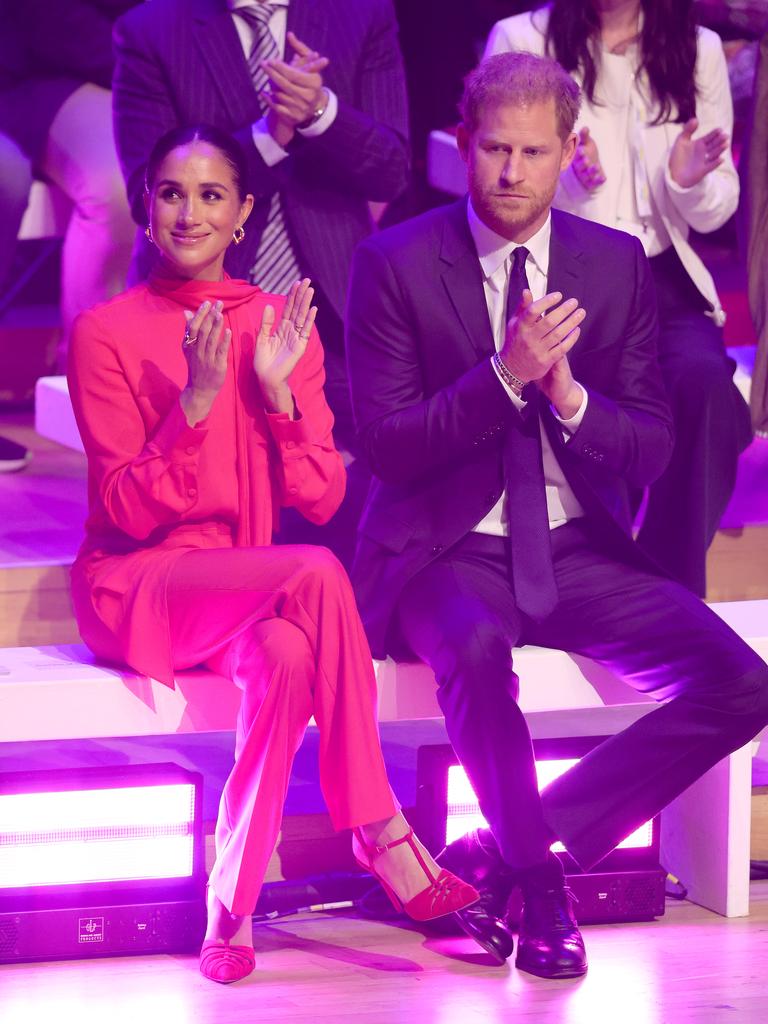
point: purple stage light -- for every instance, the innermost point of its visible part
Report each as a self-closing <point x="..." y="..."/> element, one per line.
<point x="627" y="885"/>
<point x="463" y="813"/>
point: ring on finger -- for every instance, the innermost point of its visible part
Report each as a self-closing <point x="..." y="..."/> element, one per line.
<point x="189" y="339"/>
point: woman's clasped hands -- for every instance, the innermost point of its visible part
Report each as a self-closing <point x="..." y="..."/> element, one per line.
<point x="280" y="344"/>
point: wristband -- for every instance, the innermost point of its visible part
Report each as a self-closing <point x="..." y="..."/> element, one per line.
<point x="513" y="383"/>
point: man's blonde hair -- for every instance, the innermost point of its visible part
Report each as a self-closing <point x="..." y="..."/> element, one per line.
<point x="518" y="80"/>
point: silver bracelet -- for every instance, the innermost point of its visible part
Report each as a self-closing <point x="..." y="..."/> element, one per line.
<point x="513" y="383"/>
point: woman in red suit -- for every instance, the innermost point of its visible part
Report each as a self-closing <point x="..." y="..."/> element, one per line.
<point x="199" y="399"/>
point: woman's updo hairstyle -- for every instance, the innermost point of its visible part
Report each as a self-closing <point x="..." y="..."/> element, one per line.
<point x="229" y="148"/>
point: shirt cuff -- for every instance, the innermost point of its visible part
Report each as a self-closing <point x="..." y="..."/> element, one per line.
<point x="672" y="184"/>
<point x="271" y="152"/>
<point x="689" y="198"/>
<point x="290" y="435"/>
<point x="177" y="441"/>
<point x="326" y="119"/>
<point x="573" y="422"/>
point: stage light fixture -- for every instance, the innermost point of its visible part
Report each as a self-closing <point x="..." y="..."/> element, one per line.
<point x="463" y="812"/>
<point x="627" y="885"/>
<point x="100" y="861"/>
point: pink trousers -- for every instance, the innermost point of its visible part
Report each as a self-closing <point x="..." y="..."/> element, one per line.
<point x="283" y="624"/>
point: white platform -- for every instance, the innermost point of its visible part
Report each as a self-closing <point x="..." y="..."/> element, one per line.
<point x="446" y="170"/>
<point x="744" y="357"/>
<point x="47" y="213"/>
<point x="52" y="693"/>
<point x="54" y="418"/>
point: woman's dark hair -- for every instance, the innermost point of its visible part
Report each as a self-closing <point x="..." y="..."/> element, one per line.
<point x="229" y="148"/>
<point x="667" y="48"/>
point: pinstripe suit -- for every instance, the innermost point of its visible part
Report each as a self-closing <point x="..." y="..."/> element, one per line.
<point x="180" y="62"/>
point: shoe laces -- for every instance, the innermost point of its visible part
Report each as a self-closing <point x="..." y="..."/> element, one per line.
<point x="553" y="907"/>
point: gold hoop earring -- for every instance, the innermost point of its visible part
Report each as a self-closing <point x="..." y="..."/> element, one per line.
<point x="238" y="234"/>
<point x="148" y="233"/>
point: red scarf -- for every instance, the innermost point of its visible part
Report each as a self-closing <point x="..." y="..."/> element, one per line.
<point x="243" y="306"/>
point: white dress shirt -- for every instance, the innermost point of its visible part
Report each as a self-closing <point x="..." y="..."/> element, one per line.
<point x="495" y="255"/>
<point x="272" y="152"/>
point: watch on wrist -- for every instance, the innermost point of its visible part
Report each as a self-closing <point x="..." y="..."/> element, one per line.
<point x="317" y="113"/>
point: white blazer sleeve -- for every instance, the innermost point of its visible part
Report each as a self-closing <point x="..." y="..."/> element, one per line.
<point x="709" y="204"/>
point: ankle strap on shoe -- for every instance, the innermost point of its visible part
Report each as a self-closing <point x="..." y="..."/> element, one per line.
<point x="376" y="851"/>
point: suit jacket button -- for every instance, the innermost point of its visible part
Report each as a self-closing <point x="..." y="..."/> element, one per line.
<point x="437" y="549"/>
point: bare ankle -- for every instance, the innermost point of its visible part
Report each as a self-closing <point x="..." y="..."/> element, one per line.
<point x="377" y="833"/>
<point x="224" y="926"/>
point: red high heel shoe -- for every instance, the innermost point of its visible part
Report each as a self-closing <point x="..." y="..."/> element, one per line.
<point x="445" y="893"/>
<point x="224" y="963"/>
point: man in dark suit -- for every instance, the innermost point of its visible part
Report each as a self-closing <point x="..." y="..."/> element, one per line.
<point x="504" y="379"/>
<point x="315" y="93"/>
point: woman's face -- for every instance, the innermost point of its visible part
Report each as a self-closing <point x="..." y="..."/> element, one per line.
<point x="194" y="208"/>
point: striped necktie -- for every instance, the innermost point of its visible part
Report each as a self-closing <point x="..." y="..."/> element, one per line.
<point x="530" y="544"/>
<point x="275" y="267"/>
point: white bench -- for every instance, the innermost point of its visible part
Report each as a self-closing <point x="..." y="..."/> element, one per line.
<point x="54" y="416"/>
<point x="47" y="213"/>
<point x="60" y="693"/>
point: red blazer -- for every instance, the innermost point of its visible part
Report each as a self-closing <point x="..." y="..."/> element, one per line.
<point x="158" y="487"/>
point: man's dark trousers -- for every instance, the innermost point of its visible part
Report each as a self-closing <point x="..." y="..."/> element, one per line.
<point x="459" y="616"/>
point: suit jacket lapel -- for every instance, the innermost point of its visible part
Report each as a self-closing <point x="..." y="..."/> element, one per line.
<point x="567" y="274"/>
<point x="463" y="280"/>
<point x="566" y="268"/>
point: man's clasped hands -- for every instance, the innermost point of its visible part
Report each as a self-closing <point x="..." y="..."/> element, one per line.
<point x="295" y="91"/>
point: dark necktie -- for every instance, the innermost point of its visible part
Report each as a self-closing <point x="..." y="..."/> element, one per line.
<point x="528" y="522"/>
<point x="275" y="267"/>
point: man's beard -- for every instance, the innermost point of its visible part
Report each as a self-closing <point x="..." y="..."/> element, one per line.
<point x="514" y="222"/>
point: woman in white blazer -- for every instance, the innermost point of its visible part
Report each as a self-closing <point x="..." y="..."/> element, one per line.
<point x="654" y="159"/>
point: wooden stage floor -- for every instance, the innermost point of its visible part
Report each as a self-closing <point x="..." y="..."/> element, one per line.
<point x="689" y="966"/>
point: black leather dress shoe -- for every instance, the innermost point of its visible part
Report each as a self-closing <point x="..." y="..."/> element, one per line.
<point x="549" y="942"/>
<point x="475" y="858"/>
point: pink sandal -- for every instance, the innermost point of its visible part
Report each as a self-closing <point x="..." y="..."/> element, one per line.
<point x="445" y="893"/>
<point x="224" y="963"/>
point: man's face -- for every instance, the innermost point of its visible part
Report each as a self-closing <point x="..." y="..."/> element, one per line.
<point x="514" y="158"/>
